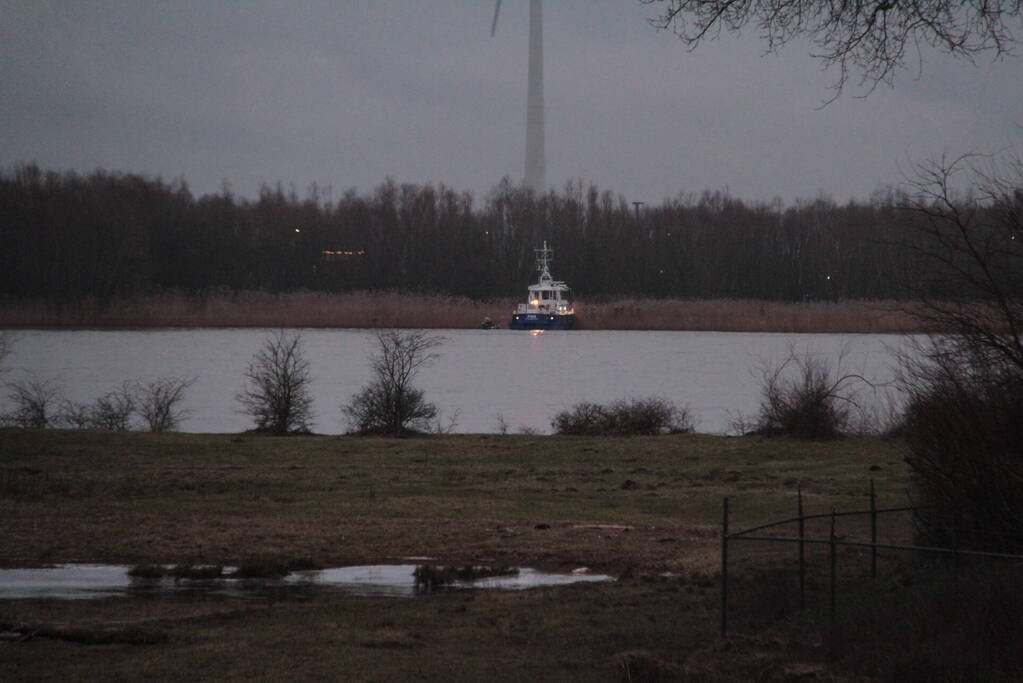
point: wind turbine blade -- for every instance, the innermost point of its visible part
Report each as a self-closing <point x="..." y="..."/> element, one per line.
<point x="493" y="25"/>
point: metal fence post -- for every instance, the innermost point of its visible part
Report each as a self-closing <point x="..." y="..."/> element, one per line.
<point x="873" y="531"/>
<point x="802" y="549"/>
<point x="833" y="562"/>
<point x="724" y="568"/>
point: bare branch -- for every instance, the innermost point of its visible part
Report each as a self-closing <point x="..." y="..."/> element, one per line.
<point x="870" y="39"/>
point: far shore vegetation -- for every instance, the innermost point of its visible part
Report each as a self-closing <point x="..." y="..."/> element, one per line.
<point x="385" y="310"/>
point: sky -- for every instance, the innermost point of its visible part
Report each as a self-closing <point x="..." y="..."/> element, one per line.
<point x="346" y="93"/>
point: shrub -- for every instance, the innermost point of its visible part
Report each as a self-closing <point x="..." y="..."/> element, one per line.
<point x="964" y="417"/>
<point x="35" y="403"/>
<point x="390" y="404"/>
<point x="112" y="412"/>
<point x="277" y="386"/>
<point x="801" y="398"/>
<point x="159" y="403"/>
<point x="965" y="436"/>
<point x="633" y="417"/>
<point x="74" y="415"/>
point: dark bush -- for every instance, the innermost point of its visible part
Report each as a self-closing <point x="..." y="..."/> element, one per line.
<point x="801" y="398"/>
<point x="960" y="625"/>
<point x="633" y="417"/>
<point x="965" y="436"/>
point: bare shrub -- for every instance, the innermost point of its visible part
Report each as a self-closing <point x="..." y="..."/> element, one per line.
<point x="74" y="415"/>
<point x="390" y="404"/>
<point x="801" y="398"/>
<point x="502" y="425"/>
<point x="35" y="403"/>
<point x="277" y="386"/>
<point x="113" y="411"/>
<point x="632" y="417"/>
<point x="447" y="425"/>
<point x="159" y="403"/>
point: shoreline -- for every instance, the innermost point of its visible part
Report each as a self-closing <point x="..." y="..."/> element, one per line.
<point x="372" y="310"/>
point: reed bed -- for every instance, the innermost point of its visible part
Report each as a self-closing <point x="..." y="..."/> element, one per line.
<point x="748" y="315"/>
<point x="259" y="309"/>
<point x="393" y="309"/>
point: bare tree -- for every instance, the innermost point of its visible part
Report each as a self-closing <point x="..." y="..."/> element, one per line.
<point x="277" y="386"/>
<point x="873" y="39"/>
<point x="968" y="231"/>
<point x="964" y="417"/>
<point x="35" y="403"/>
<point x="159" y="402"/>
<point x="390" y="404"/>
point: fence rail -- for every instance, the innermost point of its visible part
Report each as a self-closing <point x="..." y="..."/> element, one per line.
<point x="832" y="542"/>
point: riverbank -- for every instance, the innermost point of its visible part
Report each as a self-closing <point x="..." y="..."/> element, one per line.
<point x="646" y="510"/>
<point x="389" y="309"/>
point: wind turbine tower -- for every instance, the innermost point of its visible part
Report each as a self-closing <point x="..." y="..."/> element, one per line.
<point x="536" y="165"/>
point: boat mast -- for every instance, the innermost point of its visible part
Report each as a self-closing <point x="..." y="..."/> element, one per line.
<point x="543" y="261"/>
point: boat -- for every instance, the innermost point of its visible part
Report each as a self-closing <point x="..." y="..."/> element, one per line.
<point x="549" y="304"/>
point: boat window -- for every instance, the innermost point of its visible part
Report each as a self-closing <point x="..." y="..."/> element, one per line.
<point x="547" y="294"/>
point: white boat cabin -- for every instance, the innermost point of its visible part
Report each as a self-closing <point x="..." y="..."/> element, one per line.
<point x="548" y="295"/>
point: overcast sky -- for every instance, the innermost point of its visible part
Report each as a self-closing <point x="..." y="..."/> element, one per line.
<point x="347" y="92"/>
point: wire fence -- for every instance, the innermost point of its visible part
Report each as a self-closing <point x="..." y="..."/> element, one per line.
<point x="818" y="547"/>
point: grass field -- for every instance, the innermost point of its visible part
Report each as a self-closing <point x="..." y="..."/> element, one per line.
<point x="646" y="510"/>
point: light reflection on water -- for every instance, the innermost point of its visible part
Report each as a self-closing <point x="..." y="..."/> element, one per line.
<point x="92" y="581"/>
<point x="480" y="375"/>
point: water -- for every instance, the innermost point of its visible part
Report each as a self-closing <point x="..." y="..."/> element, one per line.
<point x="93" y="581"/>
<point x="483" y="376"/>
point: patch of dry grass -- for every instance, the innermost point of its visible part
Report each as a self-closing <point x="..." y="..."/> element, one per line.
<point x="391" y="309"/>
<point x="138" y="498"/>
<point x="746" y="315"/>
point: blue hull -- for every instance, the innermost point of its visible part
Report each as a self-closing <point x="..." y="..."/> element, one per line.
<point x="540" y="321"/>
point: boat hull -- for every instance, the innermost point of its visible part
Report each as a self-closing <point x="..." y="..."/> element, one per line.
<point x="541" y="321"/>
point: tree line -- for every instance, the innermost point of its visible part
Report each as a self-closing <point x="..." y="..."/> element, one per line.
<point x="105" y="235"/>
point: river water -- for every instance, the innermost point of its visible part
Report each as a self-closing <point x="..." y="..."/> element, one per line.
<point x="483" y="378"/>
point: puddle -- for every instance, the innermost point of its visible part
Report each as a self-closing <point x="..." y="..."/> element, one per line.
<point x="92" y="581"/>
